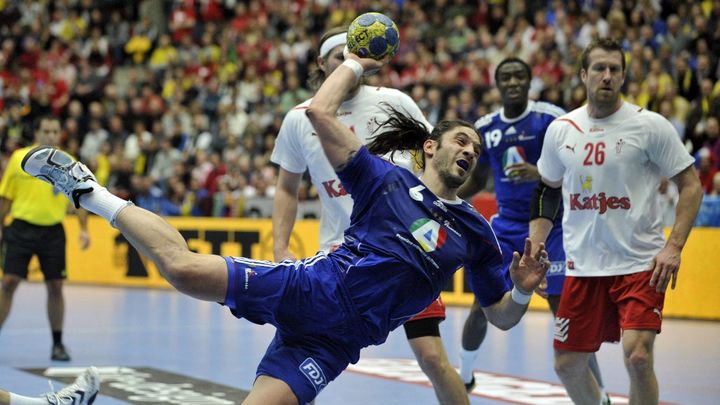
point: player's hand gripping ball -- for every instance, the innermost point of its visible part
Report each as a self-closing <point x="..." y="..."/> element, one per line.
<point x="373" y="35"/>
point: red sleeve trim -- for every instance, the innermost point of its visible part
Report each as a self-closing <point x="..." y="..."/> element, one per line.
<point x="571" y="123"/>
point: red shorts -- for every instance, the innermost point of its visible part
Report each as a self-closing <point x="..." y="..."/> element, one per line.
<point x="434" y="310"/>
<point x="594" y="310"/>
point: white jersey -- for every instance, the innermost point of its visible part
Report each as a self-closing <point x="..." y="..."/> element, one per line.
<point x="298" y="148"/>
<point x="610" y="170"/>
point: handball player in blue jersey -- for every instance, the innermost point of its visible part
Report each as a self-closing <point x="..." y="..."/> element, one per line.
<point x="512" y="139"/>
<point x="406" y="239"/>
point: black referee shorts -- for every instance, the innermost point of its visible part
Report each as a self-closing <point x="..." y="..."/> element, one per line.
<point x="22" y="240"/>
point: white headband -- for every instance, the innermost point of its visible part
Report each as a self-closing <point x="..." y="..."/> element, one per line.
<point x="332" y="42"/>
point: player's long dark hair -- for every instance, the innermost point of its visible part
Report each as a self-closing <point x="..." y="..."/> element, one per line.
<point x="403" y="132"/>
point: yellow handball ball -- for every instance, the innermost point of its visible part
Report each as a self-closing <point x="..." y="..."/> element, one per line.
<point x="373" y="35"/>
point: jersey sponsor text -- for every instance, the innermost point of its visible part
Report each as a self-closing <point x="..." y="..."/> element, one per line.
<point x="598" y="202"/>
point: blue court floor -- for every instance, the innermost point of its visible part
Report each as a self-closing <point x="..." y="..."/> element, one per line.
<point x="142" y="339"/>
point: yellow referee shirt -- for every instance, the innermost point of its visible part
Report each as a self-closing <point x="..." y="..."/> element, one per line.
<point x="33" y="200"/>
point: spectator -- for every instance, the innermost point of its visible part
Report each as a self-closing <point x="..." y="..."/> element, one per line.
<point x="60" y="59"/>
<point x="163" y="162"/>
<point x="93" y="141"/>
<point x="137" y="141"/>
<point x="140" y="42"/>
<point x="118" y="34"/>
<point x="706" y="169"/>
<point x="709" y="214"/>
<point x="164" y="54"/>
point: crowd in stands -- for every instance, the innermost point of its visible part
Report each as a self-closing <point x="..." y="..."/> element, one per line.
<point x="176" y="103"/>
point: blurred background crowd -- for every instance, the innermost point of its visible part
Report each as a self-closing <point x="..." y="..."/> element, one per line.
<point x="176" y="103"/>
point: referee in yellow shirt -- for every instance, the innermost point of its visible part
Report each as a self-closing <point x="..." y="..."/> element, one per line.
<point x="36" y="229"/>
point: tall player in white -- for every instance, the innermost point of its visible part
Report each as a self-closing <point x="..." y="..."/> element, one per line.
<point x="609" y="157"/>
<point x="297" y="149"/>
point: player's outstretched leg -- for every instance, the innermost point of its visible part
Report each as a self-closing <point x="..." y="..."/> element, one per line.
<point x="59" y="169"/>
<point x="82" y="391"/>
<point x="200" y="276"/>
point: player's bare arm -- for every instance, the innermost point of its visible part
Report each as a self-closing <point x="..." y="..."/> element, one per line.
<point x="522" y="172"/>
<point x="527" y="272"/>
<point x="338" y="142"/>
<point x="284" y="212"/>
<point x="666" y="264"/>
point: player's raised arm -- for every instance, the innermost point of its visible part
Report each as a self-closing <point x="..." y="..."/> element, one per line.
<point x="338" y="142"/>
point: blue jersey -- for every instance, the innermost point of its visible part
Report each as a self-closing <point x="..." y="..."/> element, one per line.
<point x="402" y="247"/>
<point x="404" y="244"/>
<point x="511" y="141"/>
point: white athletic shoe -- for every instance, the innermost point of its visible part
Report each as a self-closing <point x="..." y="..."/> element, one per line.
<point x="59" y="169"/>
<point x="82" y="391"/>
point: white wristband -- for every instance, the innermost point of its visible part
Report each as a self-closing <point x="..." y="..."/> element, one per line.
<point x="355" y="66"/>
<point x="520" y="297"/>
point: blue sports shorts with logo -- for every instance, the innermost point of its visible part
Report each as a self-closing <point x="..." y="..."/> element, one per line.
<point x="317" y="333"/>
<point x="511" y="235"/>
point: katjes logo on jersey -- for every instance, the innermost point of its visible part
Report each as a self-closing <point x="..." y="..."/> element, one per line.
<point x="586" y="184"/>
<point x="598" y="202"/>
<point x="429" y="234"/>
<point x="333" y="188"/>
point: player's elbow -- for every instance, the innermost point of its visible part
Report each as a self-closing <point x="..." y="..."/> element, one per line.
<point x="317" y="114"/>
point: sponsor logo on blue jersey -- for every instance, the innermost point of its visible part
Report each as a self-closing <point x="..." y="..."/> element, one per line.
<point x="512" y="156"/>
<point x="556" y="269"/>
<point x="429" y="234"/>
<point x="314" y="373"/>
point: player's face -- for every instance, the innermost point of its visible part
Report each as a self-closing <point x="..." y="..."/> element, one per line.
<point x="513" y="82"/>
<point x="456" y="155"/>
<point x="334" y="59"/>
<point x="49" y="132"/>
<point x="604" y="77"/>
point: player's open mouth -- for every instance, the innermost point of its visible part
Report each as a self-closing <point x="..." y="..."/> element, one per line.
<point x="464" y="164"/>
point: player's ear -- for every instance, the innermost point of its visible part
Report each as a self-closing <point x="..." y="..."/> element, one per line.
<point x="429" y="147"/>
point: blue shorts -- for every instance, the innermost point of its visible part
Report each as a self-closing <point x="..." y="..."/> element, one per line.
<point x="511" y="235"/>
<point x="317" y="332"/>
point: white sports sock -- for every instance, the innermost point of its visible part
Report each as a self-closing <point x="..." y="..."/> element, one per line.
<point x="102" y="202"/>
<point x="21" y="400"/>
<point x="467" y="364"/>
